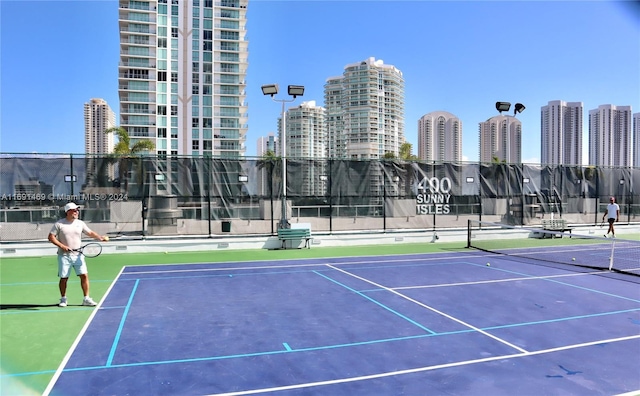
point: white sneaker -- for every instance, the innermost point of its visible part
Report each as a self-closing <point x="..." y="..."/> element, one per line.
<point x="63" y="302"/>
<point x="88" y="301"/>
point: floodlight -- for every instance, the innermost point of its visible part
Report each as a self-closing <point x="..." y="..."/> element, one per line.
<point x="296" y="90"/>
<point x="503" y="106"/>
<point x="518" y="109"/>
<point x="270" y="89"/>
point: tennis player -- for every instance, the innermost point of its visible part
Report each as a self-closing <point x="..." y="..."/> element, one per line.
<point x="612" y="214"/>
<point x="66" y="234"/>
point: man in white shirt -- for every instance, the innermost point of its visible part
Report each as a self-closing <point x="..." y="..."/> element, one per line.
<point x="612" y="214"/>
<point x="66" y="234"/>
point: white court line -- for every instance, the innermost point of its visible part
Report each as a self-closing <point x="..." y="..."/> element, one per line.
<point x="62" y="365"/>
<point x="524" y="278"/>
<point x="414" y="259"/>
<point x="423" y="369"/>
<point x="431" y="309"/>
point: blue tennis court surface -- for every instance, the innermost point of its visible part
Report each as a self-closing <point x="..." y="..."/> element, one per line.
<point x="444" y="324"/>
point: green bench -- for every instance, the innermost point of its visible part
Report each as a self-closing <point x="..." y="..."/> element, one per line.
<point x="291" y="234"/>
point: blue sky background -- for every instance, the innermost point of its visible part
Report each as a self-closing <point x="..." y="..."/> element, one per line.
<point x="456" y="56"/>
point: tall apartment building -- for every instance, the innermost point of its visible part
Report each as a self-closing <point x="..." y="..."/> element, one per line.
<point x="440" y="137"/>
<point x="561" y="133"/>
<point x="306" y="138"/>
<point x="636" y="140"/>
<point x="610" y="136"/>
<point x="365" y="111"/>
<point x="501" y="140"/>
<point x="306" y="132"/>
<point x="98" y="117"/>
<point x="265" y="144"/>
<point x="181" y="76"/>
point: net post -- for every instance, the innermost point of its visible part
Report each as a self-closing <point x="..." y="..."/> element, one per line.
<point x="613" y="245"/>
<point x="468" y="233"/>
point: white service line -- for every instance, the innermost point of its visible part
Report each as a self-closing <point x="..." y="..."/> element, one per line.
<point x="431" y="309"/>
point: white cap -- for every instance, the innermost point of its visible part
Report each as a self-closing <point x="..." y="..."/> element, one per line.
<point x="70" y="206"/>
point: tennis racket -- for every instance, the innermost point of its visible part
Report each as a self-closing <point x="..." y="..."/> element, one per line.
<point x="92" y="249"/>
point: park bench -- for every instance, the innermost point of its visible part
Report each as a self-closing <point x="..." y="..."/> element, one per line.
<point x="556" y="225"/>
<point x="297" y="234"/>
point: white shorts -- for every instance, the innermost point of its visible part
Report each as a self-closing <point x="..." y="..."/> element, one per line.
<point x="66" y="261"/>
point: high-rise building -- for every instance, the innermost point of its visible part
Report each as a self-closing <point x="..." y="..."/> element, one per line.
<point x="636" y="140"/>
<point x="306" y="138"/>
<point x="501" y="140"/>
<point x="306" y="132"/>
<point x="98" y="117"/>
<point x="182" y="73"/>
<point x="561" y="133"/>
<point x="365" y="111"/>
<point x="440" y="137"/>
<point x="266" y="144"/>
<point x="610" y="136"/>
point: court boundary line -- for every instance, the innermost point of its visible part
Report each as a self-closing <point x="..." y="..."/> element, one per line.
<point x="423" y="369"/>
<point x="417" y="257"/>
<point x="289" y="349"/>
<point x="320" y="264"/>
<point x="76" y="342"/>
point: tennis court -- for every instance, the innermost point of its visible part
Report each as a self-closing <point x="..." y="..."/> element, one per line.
<point x="464" y="322"/>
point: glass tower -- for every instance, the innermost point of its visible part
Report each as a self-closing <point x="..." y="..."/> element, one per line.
<point x="181" y="76"/>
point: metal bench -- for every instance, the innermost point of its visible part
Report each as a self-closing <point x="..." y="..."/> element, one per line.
<point x="291" y="234"/>
<point x="557" y="225"/>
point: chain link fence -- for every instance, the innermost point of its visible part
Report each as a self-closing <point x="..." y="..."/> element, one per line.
<point x="143" y="196"/>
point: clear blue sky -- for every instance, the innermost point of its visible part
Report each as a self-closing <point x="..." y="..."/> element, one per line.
<point x="456" y="56"/>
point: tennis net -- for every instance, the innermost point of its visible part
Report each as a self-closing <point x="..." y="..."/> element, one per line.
<point x="573" y="251"/>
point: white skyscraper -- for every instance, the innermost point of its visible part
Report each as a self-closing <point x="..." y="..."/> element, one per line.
<point x="365" y="111"/>
<point x="306" y="131"/>
<point x="501" y="140"/>
<point x="265" y="144"/>
<point x="98" y="117"/>
<point x="561" y="133"/>
<point x="440" y="137"/>
<point x="610" y="136"/>
<point x="307" y="139"/>
<point x="636" y="140"/>
<point x="182" y="72"/>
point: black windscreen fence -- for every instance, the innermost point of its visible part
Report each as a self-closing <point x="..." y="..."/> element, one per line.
<point x="139" y="196"/>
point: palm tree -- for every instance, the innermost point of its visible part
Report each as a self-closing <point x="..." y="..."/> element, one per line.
<point x="405" y="152"/>
<point x="124" y="146"/>
<point x="126" y="152"/>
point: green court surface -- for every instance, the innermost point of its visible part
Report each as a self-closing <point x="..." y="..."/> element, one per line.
<point x="35" y="334"/>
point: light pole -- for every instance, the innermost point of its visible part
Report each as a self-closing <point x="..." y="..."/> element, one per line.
<point x="518" y="108"/>
<point x="505" y="106"/>
<point x="295" y="91"/>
